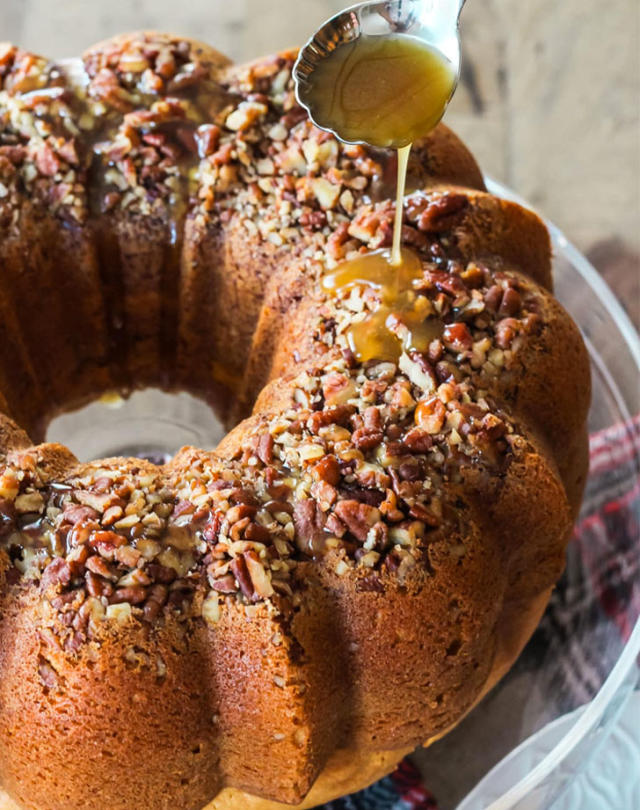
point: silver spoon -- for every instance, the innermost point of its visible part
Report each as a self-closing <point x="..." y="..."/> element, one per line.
<point x="435" y="22"/>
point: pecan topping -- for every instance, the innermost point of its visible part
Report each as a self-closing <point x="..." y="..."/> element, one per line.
<point x="310" y="524"/>
<point x="56" y="574"/>
<point x="358" y="517"/>
<point x="437" y="212"/>
<point x="360" y="463"/>
<point x="430" y="415"/>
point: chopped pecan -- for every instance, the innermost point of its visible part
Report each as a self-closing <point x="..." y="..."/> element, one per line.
<point x="240" y="512"/>
<point x="260" y="581"/>
<point x="418" y="440"/>
<point x="358" y="517"/>
<point x="57" y="573"/>
<point x="107" y="541"/>
<point x="239" y="567"/>
<point x="46" y="160"/>
<point x="314" y="220"/>
<point x="212" y="529"/>
<point x="156" y="600"/>
<point x="77" y="514"/>
<point x="373" y="497"/>
<point x="161" y="573"/>
<point x="225" y="584"/>
<point x="127" y="556"/>
<point x="420" y="512"/>
<point x="365" y="439"/>
<point x="493" y="298"/>
<point x="324" y="493"/>
<point x="444" y="282"/>
<point x="207" y="138"/>
<point x="327" y="469"/>
<point x="96" y="500"/>
<point x="430" y="415"/>
<point x="418" y="369"/>
<point x="47" y="673"/>
<point x="223" y="155"/>
<point x="111" y="515"/>
<point x="68" y="152"/>
<point x="183" y="507"/>
<point x="410" y="470"/>
<point x="97" y="586"/>
<point x="511" y="303"/>
<point x="309" y="523"/>
<point x="264" y="448"/>
<point x="492" y="427"/>
<point x="134" y="595"/>
<point x="78" y="560"/>
<point x="372" y="418"/>
<point x="506" y="330"/>
<point x="337" y="415"/>
<point x="389" y="507"/>
<point x="473" y="275"/>
<point x="240" y="495"/>
<point x="236" y="531"/>
<point x="379" y="535"/>
<point x="371" y="478"/>
<point x="440" y="211"/>
<point x="337" y="388"/>
<point x="277" y="491"/>
<point x="456" y="336"/>
<point x="335" y="526"/>
<point x="97" y="565"/>
<point x="257" y="533"/>
<point x="337" y="239"/>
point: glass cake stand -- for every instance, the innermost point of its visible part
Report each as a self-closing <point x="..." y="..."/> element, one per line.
<point x="531" y="740"/>
<point x="534" y="734"/>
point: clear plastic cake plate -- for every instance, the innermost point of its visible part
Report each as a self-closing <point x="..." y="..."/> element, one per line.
<point x="528" y="742"/>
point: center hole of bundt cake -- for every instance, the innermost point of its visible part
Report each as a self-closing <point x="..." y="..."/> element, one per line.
<point x="149" y="424"/>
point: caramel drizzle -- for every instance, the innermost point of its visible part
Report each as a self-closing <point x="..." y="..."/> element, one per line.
<point x="403" y="162"/>
<point x="386" y="91"/>
<point x="402" y="320"/>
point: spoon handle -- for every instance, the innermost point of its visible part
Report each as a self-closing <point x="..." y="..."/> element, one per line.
<point x="440" y="16"/>
<point x="443" y="8"/>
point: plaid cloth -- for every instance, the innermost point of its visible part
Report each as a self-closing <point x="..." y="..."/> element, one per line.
<point x="600" y="583"/>
<point x="402" y="790"/>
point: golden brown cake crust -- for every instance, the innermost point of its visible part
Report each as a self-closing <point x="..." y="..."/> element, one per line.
<point x="276" y="622"/>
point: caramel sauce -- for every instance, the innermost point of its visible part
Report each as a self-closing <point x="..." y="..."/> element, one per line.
<point x="204" y="101"/>
<point x="386" y="91"/>
<point x="403" y="162"/>
<point x="402" y="320"/>
<point x="383" y="90"/>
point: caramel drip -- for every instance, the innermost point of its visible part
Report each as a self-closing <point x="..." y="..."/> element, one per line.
<point x="204" y="101"/>
<point x="109" y="261"/>
<point x="403" y="162"/>
<point x="401" y="319"/>
<point x="386" y="91"/>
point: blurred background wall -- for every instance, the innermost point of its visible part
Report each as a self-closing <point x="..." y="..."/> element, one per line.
<point x="549" y="102"/>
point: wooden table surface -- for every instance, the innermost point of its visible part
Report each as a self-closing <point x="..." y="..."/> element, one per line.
<point x="549" y="100"/>
<point x="549" y="103"/>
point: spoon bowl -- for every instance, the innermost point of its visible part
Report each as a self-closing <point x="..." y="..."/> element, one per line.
<point x="434" y="22"/>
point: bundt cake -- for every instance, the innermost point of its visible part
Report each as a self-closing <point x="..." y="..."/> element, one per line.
<point x="280" y="620"/>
